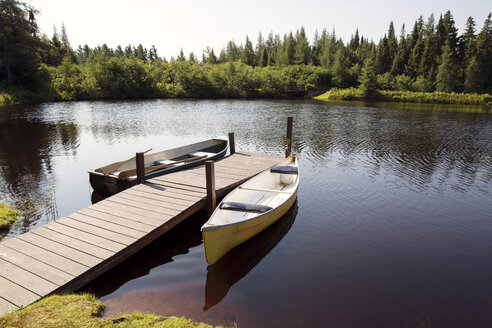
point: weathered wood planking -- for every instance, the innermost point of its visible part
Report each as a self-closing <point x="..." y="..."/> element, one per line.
<point x="63" y="256"/>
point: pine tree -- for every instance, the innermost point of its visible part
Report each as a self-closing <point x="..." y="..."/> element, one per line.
<point x="263" y="58"/>
<point x="368" y="81"/>
<point x="248" y="54"/>
<point x="340" y="68"/>
<point x="447" y="70"/>
<point x="473" y="80"/>
<point x="484" y="54"/>
<point x="392" y="46"/>
<point x="302" y="49"/>
<point x="401" y="57"/>
<point x="383" y="60"/>
<point x="181" y="56"/>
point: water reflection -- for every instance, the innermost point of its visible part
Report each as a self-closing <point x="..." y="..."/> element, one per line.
<point x="236" y="264"/>
<point x="27" y="177"/>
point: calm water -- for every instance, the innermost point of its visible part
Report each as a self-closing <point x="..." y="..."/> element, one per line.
<point x="392" y="227"/>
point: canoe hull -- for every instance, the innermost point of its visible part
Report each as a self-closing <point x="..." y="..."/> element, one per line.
<point x="110" y="184"/>
<point x="217" y="242"/>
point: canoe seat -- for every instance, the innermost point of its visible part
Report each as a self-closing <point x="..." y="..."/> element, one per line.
<point x="285" y="169"/>
<point x="164" y="161"/>
<point x="201" y="153"/>
<point x="243" y="207"/>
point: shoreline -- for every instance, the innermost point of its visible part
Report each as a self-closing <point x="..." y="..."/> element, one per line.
<point x="351" y="94"/>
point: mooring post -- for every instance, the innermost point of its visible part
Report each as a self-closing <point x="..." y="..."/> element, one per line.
<point x="232" y="146"/>
<point x="139" y="157"/>
<point x="288" y="148"/>
<point x="210" y="179"/>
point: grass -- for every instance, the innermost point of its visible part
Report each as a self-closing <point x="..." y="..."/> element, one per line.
<point x="84" y="310"/>
<point x="7" y="216"/>
<point x="409" y="96"/>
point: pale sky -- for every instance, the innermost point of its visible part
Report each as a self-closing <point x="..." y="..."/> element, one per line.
<point x="194" y="25"/>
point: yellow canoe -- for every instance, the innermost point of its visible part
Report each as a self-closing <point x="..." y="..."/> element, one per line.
<point x="250" y="208"/>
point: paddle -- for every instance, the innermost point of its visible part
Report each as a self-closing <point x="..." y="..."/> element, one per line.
<point x="113" y="167"/>
<point x="130" y="173"/>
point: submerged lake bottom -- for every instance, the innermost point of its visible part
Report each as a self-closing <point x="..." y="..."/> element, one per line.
<point x="392" y="225"/>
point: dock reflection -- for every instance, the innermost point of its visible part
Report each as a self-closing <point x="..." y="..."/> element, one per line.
<point x="236" y="264"/>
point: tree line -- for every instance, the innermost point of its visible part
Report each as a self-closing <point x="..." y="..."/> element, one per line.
<point x="432" y="57"/>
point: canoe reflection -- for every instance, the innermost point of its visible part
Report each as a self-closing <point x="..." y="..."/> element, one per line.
<point x="236" y="264"/>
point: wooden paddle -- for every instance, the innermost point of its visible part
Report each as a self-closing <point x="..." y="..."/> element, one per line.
<point x="113" y="167"/>
<point x="130" y="173"/>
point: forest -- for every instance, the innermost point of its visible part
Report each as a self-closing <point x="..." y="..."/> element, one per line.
<point x="431" y="58"/>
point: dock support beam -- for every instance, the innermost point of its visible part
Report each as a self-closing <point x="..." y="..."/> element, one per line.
<point x="232" y="146"/>
<point x="288" y="148"/>
<point x="139" y="157"/>
<point x="211" y="196"/>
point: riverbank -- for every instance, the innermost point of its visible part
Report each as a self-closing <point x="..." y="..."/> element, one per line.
<point x="7" y="217"/>
<point x="85" y="310"/>
<point x="409" y="96"/>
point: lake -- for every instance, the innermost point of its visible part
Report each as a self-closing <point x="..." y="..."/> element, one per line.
<point x="392" y="226"/>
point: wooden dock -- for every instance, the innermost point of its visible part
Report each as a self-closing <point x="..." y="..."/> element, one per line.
<point x="63" y="256"/>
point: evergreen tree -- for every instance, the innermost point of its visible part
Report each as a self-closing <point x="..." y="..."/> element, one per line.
<point x="248" y="55"/>
<point x="263" y="58"/>
<point x="232" y="51"/>
<point x="302" y="50"/>
<point x="412" y="68"/>
<point x="392" y="46"/>
<point x="340" y="68"/>
<point x="467" y="42"/>
<point x="368" y="81"/>
<point x="401" y="57"/>
<point x="286" y="53"/>
<point x="209" y="56"/>
<point x="447" y="70"/>
<point x="119" y="52"/>
<point x="19" y="45"/>
<point x="152" y="53"/>
<point x="473" y="80"/>
<point x="383" y="59"/>
<point x="181" y="56"/>
<point x="428" y="63"/>
<point x="141" y="53"/>
<point x="355" y="41"/>
<point x="484" y="54"/>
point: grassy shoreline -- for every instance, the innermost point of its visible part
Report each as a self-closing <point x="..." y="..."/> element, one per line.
<point x="8" y="216"/>
<point x="84" y="310"/>
<point x="409" y="96"/>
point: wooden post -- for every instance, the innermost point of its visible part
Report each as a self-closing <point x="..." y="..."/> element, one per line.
<point x="210" y="178"/>
<point x="288" y="148"/>
<point x="232" y="146"/>
<point x="139" y="157"/>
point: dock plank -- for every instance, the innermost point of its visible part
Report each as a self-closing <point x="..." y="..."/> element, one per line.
<point x="162" y="197"/>
<point x="63" y="264"/>
<point x="61" y="249"/>
<point x="87" y="237"/>
<point x="135" y="205"/>
<point x="110" y="226"/>
<point x="6" y="306"/>
<point x="16" y="294"/>
<point x="171" y="192"/>
<point x="120" y="211"/>
<point x="150" y="201"/>
<point x="28" y="280"/>
<point x="116" y="219"/>
<point x="82" y="246"/>
<point x="96" y="231"/>
<point x="34" y="266"/>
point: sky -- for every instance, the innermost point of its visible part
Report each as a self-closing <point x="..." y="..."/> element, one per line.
<point x="194" y="25"/>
